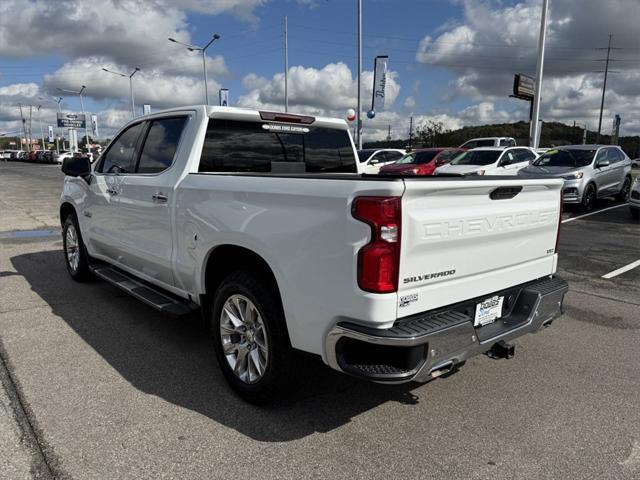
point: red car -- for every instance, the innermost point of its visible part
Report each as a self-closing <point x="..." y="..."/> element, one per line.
<point x="422" y="161"/>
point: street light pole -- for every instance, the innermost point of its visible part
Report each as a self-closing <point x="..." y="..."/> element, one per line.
<point x="40" y="122"/>
<point x="359" y="111"/>
<point x="533" y="129"/>
<point x="286" y="64"/>
<point x="195" y="48"/>
<point x="130" y="76"/>
<point x="58" y="101"/>
<point x="79" y="93"/>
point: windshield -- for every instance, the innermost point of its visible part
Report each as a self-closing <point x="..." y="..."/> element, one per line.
<point x="477" y="157"/>
<point x="363" y="155"/>
<point x="418" y="157"/>
<point x="479" y="143"/>
<point x="565" y="158"/>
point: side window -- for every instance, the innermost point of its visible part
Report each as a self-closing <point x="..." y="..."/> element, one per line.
<point x="603" y="155"/>
<point x="120" y="156"/>
<point x="508" y="158"/>
<point x="615" y="155"/>
<point x="378" y="157"/>
<point x="161" y="144"/>
<point x="504" y="143"/>
<point x="393" y="156"/>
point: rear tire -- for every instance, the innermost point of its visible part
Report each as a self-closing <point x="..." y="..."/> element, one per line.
<point x="75" y="254"/>
<point x="589" y="198"/>
<point x="623" y="196"/>
<point x="250" y="338"/>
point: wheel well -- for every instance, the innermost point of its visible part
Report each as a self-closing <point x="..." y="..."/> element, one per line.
<point x="65" y="210"/>
<point x="226" y="259"/>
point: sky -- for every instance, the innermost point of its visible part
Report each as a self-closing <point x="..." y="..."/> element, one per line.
<point x="450" y="61"/>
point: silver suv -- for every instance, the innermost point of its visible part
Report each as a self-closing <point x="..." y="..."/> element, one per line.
<point x="589" y="171"/>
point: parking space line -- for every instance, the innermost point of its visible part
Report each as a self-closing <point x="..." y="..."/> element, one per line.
<point x="626" y="268"/>
<point x="593" y="213"/>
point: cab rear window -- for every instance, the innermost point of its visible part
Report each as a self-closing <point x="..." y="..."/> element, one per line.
<point x="237" y="146"/>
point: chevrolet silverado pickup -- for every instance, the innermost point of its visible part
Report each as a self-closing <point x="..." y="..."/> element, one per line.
<point x="263" y="222"/>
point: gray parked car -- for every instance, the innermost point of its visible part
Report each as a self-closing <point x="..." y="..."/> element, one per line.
<point x="589" y="171"/>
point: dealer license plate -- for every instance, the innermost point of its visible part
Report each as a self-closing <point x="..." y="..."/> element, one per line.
<point x="488" y="310"/>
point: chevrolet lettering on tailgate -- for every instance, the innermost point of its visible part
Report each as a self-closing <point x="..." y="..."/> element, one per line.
<point x="485" y="225"/>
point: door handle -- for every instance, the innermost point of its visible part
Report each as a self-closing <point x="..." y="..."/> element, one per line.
<point x="159" y="197"/>
<point x="112" y="191"/>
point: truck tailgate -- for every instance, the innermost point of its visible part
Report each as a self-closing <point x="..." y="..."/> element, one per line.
<point x="466" y="238"/>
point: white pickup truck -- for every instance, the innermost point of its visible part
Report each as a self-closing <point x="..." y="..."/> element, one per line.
<point x="262" y="221"/>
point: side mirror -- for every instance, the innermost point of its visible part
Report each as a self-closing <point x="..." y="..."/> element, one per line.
<point x="602" y="163"/>
<point x="374" y="161"/>
<point x="76" y="167"/>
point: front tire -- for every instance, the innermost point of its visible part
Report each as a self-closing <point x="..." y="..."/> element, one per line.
<point x="250" y="339"/>
<point x="75" y="254"/>
<point x="623" y="196"/>
<point x="589" y="198"/>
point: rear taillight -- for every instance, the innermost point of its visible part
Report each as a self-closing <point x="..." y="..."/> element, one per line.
<point x="559" y="220"/>
<point x="379" y="260"/>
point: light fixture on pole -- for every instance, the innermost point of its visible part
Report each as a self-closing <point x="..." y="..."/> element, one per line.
<point x="195" y="48"/>
<point x="79" y="93"/>
<point x="130" y="77"/>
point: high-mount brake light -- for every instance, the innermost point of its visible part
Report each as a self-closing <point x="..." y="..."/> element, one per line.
<point x="287" y="118"/>
<point x="379" y="260"/>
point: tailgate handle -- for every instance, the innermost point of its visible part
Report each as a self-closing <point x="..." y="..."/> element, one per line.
<point x="504" y="193"/>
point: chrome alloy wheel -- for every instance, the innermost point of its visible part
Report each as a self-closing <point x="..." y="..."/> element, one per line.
<point x="72" y="248"/>
<point x="244" y="338"/>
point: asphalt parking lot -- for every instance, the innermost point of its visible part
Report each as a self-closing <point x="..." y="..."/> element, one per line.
<point x="97" y="385"/>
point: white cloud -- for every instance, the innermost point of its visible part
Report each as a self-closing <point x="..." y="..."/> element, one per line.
<point x="155" y="87"/>
<point x="409" y="102"/>
<point x="331" y="88"/>
<point x="498" y="39"/>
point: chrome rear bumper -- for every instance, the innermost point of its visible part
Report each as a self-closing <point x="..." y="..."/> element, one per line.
<point x="426" y="346"/>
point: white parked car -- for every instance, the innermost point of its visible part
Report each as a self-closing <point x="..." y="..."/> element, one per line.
<point x="60" y="158"/>
<point x="262" y="222"/>
<point x="634" y="199"/>
<point x="371" y="160"/>
<point x="489" y="142"/>
<point x="635" y="163"/>
<point x="490" y="161"/>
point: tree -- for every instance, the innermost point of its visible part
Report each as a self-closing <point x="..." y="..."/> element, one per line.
<point x="430" y="133"/>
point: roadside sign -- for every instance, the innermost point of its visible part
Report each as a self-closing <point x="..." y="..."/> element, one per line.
<point x="50" y="134"/>
<point x="223" y="95"/>
<point x="72" y="120"/>
<point x="523" y="86"/>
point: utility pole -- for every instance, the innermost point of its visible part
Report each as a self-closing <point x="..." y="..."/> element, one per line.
<point x="411" y="132"/>
<point x="359" y="111"/>
<point x="24" y="128"/>
<point x="286" y="64"/>
<point x="30" y="129"/>
<point x="604" y="85"/>
<point x="389" y="134"/>
<point x="40" y="121"/>
<point x="533" y="129"/>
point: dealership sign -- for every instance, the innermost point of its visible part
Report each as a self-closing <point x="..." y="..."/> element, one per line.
<point x="523" y="87"/>
<point x="71" y="120"/>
